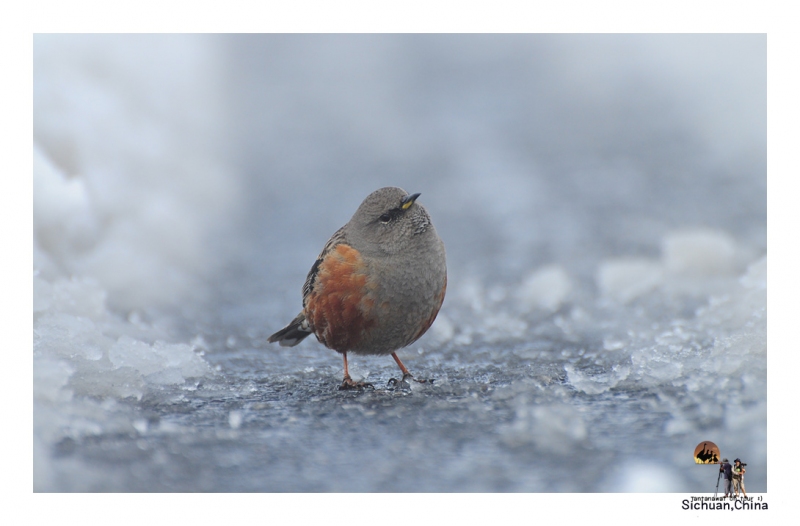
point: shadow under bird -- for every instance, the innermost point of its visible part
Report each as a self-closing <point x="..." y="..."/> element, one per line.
<point x="378" y="284"/>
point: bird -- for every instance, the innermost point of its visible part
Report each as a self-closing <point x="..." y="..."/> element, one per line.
<point x="377" y="285"/>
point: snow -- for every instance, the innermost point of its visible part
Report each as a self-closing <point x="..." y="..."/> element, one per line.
<point x="700" y="251"/>
<point x="603" y="208"/>
<point x="545" y="288"/>
<point x="628" y="278"/>
<point x="128" y="162"/>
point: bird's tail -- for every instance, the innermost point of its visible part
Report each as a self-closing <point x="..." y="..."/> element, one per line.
<point x="293" y="333"/>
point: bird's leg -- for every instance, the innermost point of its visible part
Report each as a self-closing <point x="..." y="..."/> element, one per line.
<point x="406" y="375"/>
<point x="349" y="383"/>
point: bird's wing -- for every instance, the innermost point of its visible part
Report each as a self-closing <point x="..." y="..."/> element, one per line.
<point x="337" y="238"/>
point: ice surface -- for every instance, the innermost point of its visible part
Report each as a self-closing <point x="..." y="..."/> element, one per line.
<point x="603" y="209"/>
<point x="643" y="477"/>
<point x="556" y="428"/>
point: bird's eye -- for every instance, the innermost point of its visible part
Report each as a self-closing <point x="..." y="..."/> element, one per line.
<point x="385" y="218"/>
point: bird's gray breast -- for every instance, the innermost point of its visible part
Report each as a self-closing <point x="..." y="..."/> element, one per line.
<point x="408" y="289"/>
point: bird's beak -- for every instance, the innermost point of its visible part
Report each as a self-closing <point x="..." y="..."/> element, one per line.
<point x="406" y="203"/>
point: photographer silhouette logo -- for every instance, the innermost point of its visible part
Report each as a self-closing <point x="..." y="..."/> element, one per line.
<point x="706" y="453"/>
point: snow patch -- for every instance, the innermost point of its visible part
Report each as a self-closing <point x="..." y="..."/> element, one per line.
<point x="699" y="251"/>
<point x="628" y="278"/>
<point x="545" y="288"/>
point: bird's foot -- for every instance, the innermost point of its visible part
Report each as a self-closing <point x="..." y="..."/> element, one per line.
<point x="348" y="384"/>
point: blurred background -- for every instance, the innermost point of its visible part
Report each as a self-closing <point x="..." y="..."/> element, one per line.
<point x="602" y="199"/>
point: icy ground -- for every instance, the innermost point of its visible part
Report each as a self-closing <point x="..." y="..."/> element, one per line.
<point x="602" y="200"/>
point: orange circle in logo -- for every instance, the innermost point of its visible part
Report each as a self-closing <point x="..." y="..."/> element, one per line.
<point x="706" y="453"/>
